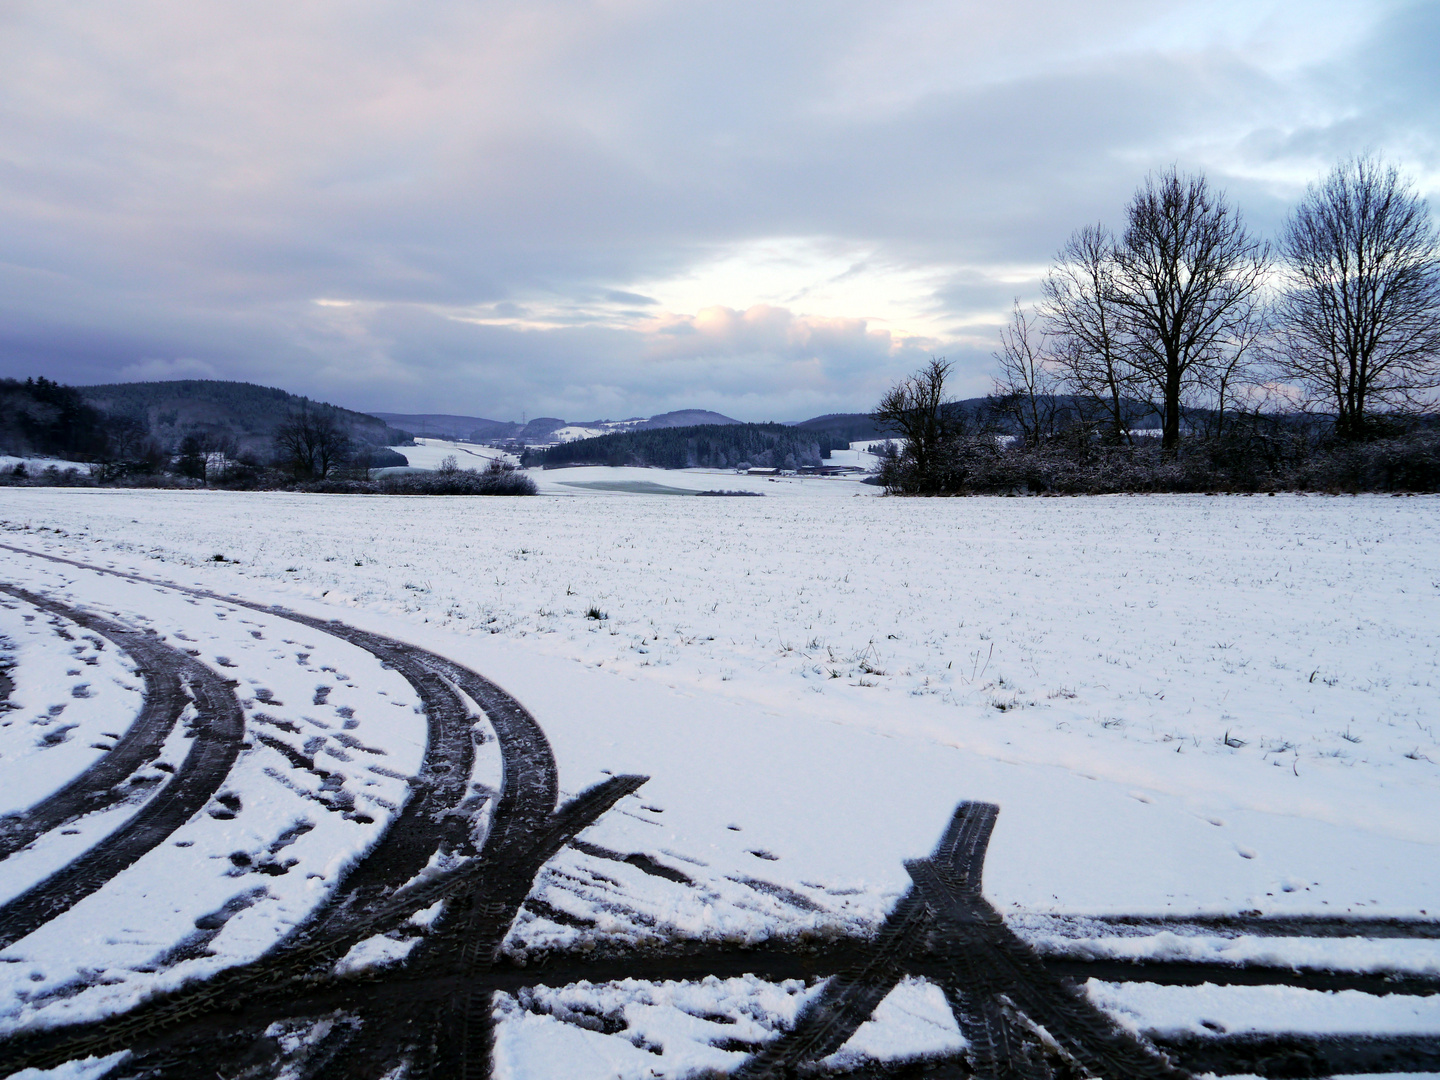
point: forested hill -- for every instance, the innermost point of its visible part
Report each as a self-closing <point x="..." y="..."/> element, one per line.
<point x="479" y="429"/>
<point x="712" y="446"/>
<point x="243" y="411"/>
<point x="451" y="426"/>
<point x="40" y="418"/>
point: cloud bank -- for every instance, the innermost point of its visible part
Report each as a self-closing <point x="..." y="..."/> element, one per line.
<point x="619" y="207"/>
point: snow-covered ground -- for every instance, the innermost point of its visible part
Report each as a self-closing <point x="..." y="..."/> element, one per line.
<point x="272" y="842"/>
<point x="70" y="685"/>
<point x="36" y="465"/>
<point x="605" y="480"/>
<point x="1181" y="704"/>
<point x="430" y="453"/>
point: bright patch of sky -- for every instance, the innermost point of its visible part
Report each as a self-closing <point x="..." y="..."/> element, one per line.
<point x="559" y="207"/>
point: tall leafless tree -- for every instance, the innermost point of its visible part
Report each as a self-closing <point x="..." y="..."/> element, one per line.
<point x="914" y="407"/>
<point x="1085" y="329"/>
<point x="1188" y="278"/>
<point x="1027" y="386"/>
<point x="1360" y="318"/>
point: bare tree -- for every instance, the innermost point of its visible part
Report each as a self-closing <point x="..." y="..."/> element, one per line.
<point x="1086" y="328"/>
<point x="1026" y="388"/>
<point x="914" y="407"/>
<point x="312" y="443"/>
<point x="1187" y="280"/>
<point x="1360" y="318"/>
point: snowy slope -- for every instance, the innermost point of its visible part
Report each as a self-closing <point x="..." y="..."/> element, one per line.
<point x="429" y="453"/>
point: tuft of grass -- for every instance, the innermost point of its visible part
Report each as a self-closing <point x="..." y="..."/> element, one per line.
<point x="595" y="613"/>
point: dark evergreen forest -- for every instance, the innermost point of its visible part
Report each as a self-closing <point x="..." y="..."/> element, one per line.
<point x="40" y="418"/>
<point x="243" y="414"/>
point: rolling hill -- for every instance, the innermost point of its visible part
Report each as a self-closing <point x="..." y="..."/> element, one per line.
<point x="243" y="411"/>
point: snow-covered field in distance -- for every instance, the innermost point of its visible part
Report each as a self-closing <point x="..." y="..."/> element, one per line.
<point x="1113" y="642"/>
<point x="36" y="465"/>
<point x="599" y="479"/>
<point x="1181" y="704"/>
<point x="429" y="453"/>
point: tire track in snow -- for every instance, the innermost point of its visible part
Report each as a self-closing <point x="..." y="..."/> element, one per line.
<point x="998" y="988"/>
<point x="1311" y="926"/>
<point x="458" y="958"/>
<point x="1299" y="1055"/>
<point x="524" y="832"/>
<point x="425" y="823"/>
<point x="422" y="825"/>
<point x="98" y="786"/>
<point x="219" y="728"/>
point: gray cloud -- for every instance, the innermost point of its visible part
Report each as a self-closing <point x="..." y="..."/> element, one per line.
<point x="492" y="198"/>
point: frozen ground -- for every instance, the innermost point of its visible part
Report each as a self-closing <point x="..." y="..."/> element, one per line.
<point x="599" y="480"/>
<point x="429" y="453"/>
<point x="332" y="739"/>
<point x="1181" y="704"/>
<point x="36" y="465"/>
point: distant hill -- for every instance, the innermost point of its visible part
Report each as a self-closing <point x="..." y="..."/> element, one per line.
<point x="40" y="418"/>
<point x="714" y="446"/>
<point x="540" y="430"/>
<point x="447" y="426"/>
<point x="686" y="418"/>
<point x="843" y="427"/>
<point x="243" y="411"/>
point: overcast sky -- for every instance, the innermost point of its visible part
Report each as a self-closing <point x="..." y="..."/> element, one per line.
<point x="616" y="208"/>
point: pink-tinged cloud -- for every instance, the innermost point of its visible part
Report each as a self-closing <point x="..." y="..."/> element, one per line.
<point x="180" y="182"/>
<point x="764" y="329"/>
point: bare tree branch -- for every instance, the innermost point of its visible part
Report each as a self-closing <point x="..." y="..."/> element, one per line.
<point x="1083" y="322"/>
<point x="1026" y="388"/>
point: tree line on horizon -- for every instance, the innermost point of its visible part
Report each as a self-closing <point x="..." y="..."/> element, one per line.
<point x="235" y="433"/>
<point x="231" y="435"/>
<point x="706" y="446"/>
<point x="1312" y="361"/>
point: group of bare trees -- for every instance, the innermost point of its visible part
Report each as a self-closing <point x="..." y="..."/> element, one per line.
<point x="1185" y="311"/>
<point x="312" y="443"/>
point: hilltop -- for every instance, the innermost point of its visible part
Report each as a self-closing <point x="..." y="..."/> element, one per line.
<point x="243" y="411"/>
<point x="543" y="429"/>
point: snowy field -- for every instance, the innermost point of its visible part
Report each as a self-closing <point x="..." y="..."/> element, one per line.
<point x="37" y="465"/>
<point x="429" y="453"/>
<point x="1182" y="705"/>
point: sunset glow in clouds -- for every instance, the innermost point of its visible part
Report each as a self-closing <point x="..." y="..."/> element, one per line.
<point x="620" y="208"/>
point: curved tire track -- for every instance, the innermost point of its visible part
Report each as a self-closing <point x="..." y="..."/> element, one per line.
<point x="522" y="827"/>
<point x="218" y="731"/>
<point x="98" y="786"/>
